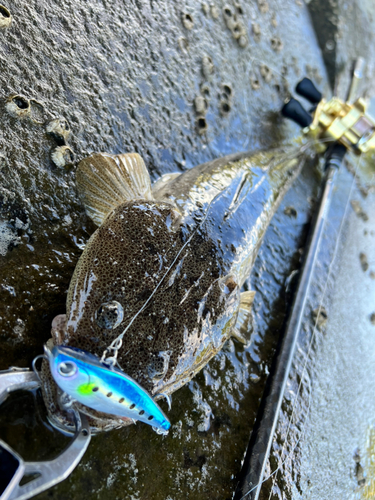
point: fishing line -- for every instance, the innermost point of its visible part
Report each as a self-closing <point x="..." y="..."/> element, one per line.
<point x="330" y="269"/>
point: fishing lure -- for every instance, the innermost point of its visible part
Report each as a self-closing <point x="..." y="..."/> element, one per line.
<point x="85" y="379"/>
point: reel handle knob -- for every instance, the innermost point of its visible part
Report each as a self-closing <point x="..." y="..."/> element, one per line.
<point x="297" y="113"/>
<point x="307" y="89"/>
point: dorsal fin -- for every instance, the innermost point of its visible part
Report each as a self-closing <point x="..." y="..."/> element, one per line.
<point x="105" y="181"/>
<point x="244" y="316"/>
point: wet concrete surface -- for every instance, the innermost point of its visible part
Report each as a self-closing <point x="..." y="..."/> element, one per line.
<point x="328" y="408"/>
<point x="342" y="408"/>
<point x="125" y="77"/>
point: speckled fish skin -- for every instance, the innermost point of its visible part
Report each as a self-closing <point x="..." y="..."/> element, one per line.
<point x="215" y="215"/>
<point x="104" y="389"/>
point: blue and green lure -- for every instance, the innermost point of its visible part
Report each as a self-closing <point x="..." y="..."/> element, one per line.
<point x="87" y="380"/>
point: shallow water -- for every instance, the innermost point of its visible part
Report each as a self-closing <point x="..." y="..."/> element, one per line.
<point x="125" y="76"/>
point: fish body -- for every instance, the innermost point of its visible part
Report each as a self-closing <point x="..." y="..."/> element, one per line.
<point x="166" y="265"/>
<point x="88" y="381"/>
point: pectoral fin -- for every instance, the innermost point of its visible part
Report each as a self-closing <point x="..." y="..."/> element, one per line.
<point x="244" y="316"/>
<point x="105" y="181"/>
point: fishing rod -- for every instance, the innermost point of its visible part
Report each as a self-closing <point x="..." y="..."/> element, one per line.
<point x="351" y="129"/>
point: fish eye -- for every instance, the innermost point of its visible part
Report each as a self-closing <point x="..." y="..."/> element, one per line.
<point x="67" y="368"/>
<point x="109" y="315"/>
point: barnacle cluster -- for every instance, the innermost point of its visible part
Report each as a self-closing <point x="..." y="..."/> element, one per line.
<point x="62" y="155"/>
<point x="19" y="106"/>
<point x="225" y="103"/>
<point x="232" y="18"/>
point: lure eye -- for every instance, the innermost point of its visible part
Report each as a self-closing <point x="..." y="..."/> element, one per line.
<point x="109" y="315"/>
<point x="67" y="368"/>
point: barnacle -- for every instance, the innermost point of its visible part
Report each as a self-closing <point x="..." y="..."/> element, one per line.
<point x="183" y="43"/>
<point x="200" y="105"/>
<point x="37" y="112"/>
<point x="254" y="82"/>
<point x="228" y="14"/>
<point x="319" y="317"/>
<point x="206" y="8"/>
<point x="201" y="125"/>
<point x="256" y="31"/>
<point x="62" y="156"/>
<point x="227" y="90"/>
<point x="109" y="315"/>
<point x="224" y="107"/>
<point x="187" y="21"/>
<point x="266" y="73"/>
<point x="207" y="66"/>
<point x="206" y="91"/>
<point x="238" y="30"/>
<point x="243" y="41"/>
<point x="214" y="12"/>
<point x="276" y="44"/>
<point x="5" y="17"/>
<point x="59" y="129"/>
<point x="238" y="8"/>
<point x="263" y="6"/>
<point x="18" y="106"/>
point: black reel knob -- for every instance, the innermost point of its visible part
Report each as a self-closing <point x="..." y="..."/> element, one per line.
<point x="296" y="112"/>
<point x="307" y="89"/>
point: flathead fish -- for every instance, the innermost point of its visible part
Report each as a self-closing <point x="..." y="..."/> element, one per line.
<point x="164" y="270"/>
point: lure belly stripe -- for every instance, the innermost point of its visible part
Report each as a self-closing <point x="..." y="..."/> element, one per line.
<point x="109" y="390"/>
